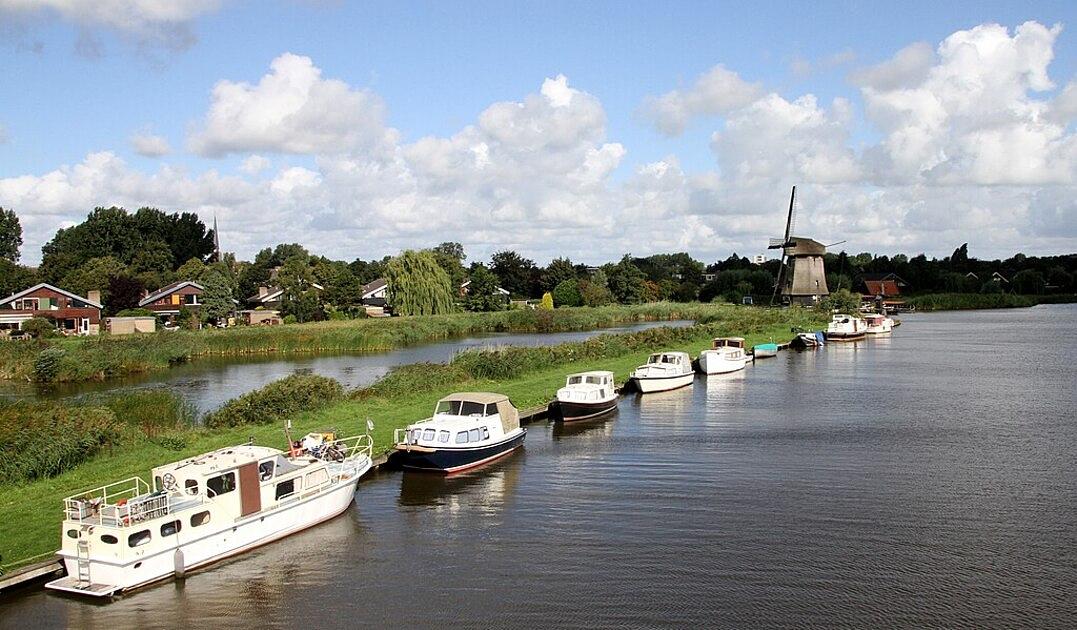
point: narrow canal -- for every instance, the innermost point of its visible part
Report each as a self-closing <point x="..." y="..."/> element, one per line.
<point x="207" y="383"/>
<point x="925" y="479"/>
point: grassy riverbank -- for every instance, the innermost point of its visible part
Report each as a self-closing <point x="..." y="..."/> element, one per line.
<point x="101" y="357"/>
<point x="969" y="301"/>
<point x="30" y="512"/>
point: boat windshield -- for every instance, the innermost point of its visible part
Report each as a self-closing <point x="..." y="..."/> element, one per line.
<point x="595" y="380"/>
<point x="464" y="408"/>
<point x="575" y="380"/>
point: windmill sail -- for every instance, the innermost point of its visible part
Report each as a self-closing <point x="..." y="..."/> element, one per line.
<point x="784" y="242"/>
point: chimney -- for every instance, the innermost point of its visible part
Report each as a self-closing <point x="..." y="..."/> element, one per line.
<point x="263" y="291"/>
<point x="94" y="296"/>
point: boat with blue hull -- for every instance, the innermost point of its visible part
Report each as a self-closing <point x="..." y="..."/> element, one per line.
<point x="467" y="429"/>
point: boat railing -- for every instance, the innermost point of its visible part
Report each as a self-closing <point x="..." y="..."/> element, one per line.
<point x="117" y="504"/>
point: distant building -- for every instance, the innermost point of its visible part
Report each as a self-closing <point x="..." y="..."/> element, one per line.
<point x="167" y="301"/>
<point x="374" y="293"/>
<point x="709" y="276"/>
<point x="804" y="280"/>
<point x="502" y="292"/>
<point x="759" y="259"/>
<point x="130" y="325"/>
<point x="269" y="298"/>
<point x="882" y="285"/>
<point x="72" y="314"/>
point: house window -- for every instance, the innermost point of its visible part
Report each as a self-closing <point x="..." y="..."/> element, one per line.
<point x="139" y="538"/>
<point x="200" y="519"/>
<point x="285" y="489"/>
<point x="222" y="484"/>
<point x="190" y="299"/>
<point x="170" y="529"/>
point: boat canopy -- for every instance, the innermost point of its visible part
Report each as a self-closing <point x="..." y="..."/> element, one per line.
<point x="510" y="417"/>
<point x="732" y="342"/>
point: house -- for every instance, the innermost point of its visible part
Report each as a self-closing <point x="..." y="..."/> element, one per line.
<point x="72" y="314"/>
<point x="884" y="285"/>
<point x="998" y="277"/>
<point x="759" y="259"/>
<point x="709" y="276"/>
<point x="502" y="292"/>
<point x="269" y="297"/>
<point x="374" y="293"/>
<point x="130" y="325"/>
<point x="167" y="301"/>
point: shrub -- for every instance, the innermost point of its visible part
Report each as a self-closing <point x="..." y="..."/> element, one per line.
<point x="39" y="327"/>
<point x="45" y="439"/>
<point x="290" y="395"/>
<point x="842" y="301"/>
<point x="152" y="411"/>
<point x="567" y="294"/>
<point x="547" y="301"/>
<point x="289" y="319"/>
<point x="47" y="364"/>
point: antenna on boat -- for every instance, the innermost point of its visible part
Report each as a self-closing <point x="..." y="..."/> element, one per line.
<point x="369" y="425"/>
<point x="288" y="432"/>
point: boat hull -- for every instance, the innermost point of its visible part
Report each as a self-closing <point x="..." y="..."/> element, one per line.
<point x="451" y="460"/>
<point x="765" y="351"/>
<point x="199" y="550"/>
<point x="846" y="336"/>
<point x="651" y="384"/>
<point x="577" y="411"/>
<point x="715" y="363"/>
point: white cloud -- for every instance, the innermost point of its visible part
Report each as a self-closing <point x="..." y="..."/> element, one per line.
<point x="291" y="110"/>
<point x="254" y="164"/>
<point x="908" y="67"/>
<point x="147" y="22"/>
<point x="149" y="145"/>
<point x="715" y="92"/>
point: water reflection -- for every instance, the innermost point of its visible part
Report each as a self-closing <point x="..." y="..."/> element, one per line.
<point x="600" y="426"/>
<point x="484" y="489"/>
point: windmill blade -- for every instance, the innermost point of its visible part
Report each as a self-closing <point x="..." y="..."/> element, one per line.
<point x="791" y="218"/>
<point x="838" y="243"/>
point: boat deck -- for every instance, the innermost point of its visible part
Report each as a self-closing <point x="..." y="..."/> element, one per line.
<point x="71" y="584"/>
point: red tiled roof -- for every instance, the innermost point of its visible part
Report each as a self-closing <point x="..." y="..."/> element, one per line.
<point x="882" y="287"/>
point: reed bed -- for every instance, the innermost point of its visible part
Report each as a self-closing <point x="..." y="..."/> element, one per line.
<point x="969" y="301"/>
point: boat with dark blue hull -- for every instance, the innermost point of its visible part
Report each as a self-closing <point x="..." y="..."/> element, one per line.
<point x="586" y="396"/>
<point x="467" y="429"/>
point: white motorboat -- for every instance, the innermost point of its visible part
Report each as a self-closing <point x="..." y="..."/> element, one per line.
<point x="467" y="429"/>
<point x="664" y="371"/>
<point x="844" y="327"/>
<point x="878" y="324"/>
<point x="204" y="509"/>
<point x="587" y="395"/>
<point x="726" y="354"/>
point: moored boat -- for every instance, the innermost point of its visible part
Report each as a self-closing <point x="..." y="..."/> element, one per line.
<point x="764" y="350"/>
<point x="808" y="340"/>
<point x="726" y="354"/>
<point x="878" y="324"/>
<point x="586" y="395"/>
<point x="664" y="371"/>
<point x="200" y="510"/>
<point x="467" y="429"/>
<point x="844" y="327"/>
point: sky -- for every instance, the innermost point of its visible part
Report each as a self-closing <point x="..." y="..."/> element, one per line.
<point x="586" y="130"/>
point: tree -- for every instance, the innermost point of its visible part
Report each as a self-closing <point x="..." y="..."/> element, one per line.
<point x="559" y="270"/>
<point x="15" y="277"/>
<point x="513" y="271"/>
<point x="482" y="293"/>
<point x="841" y="301"/>
<point x="94" y="275"/>
<point x="567" y="294"/>
<point x="193" y="270"/>
<point x="299" y="297"/>
<point x="451" y="257"/>
<point x="1028" y="282"/>
<point x="593" y="293"/>
<point x="10" y="235"/>
<point x="626" y="281"/>
<point x="124" y="292"/>
<point x="417" y="285"/>
<point x="547" y="302"/>
<point x="217" y="302"/>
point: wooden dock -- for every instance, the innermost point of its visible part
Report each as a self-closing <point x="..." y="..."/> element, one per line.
<point x="30" y="574"/>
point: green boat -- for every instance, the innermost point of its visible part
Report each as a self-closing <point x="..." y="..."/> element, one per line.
<point x="764" y="350"/>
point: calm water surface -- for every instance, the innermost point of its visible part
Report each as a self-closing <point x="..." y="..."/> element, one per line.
<point x="925" y="479"/>
<point x="210" y="382"/>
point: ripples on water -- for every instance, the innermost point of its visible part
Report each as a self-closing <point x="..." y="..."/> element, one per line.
<point x="924" y="479"/>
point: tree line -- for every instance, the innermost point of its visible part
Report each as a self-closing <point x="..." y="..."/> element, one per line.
<point x="124" y="255"/>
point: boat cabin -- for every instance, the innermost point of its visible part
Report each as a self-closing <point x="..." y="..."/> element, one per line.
<point x="463" y="420"/>
<point x="588" y="387"/>
<point x="728" y="342"/>
<point x="670" y="358"/>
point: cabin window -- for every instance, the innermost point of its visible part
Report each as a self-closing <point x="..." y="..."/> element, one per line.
<point x="474" y="435"/>
<point x="109" y="539"/>
<point x="316" y="478"/>
<point x="415" y="435"/>
<point x="72" y="533"/>
<point x="443" y="437"/>
<point x="428" y="435"/>
<point x="265" y="470"/>
<point x="285" y="488"/>
<point x="461" y="437"/>
<point x="461" y="408"/>
<point x="191" y="486"/>
<point x="139" y="538"/>
<point x="158" y="483"/>
<point x="594" y="380"/>
<point x="170" y="529"/>
<point x="200" y="519"/>
<point x="574" y="380"/>
<point x="485" y="433"/>
<point x="222" y="484"/>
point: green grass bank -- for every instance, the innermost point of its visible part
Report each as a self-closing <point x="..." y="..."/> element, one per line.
<point x="30" y="511"/>
<point x="103" y="356"/>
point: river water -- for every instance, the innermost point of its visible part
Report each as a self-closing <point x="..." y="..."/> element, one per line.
<point x="207" y="383"/>
<point x="924" y="479"/>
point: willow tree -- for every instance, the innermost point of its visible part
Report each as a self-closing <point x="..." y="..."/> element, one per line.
<point x="417" y="285"/>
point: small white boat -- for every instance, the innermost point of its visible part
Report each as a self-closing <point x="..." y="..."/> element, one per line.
<point x="204" y="509"/>
<point x="664" y="371"/>
<point x="878" y="324"/>
<point x="587" y="395"/>
<point x="725" y="355"/>
<point x="846" y="328"/>
<point x="467" y="429"/>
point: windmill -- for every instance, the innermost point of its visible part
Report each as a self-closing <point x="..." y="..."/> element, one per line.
<point x="801" y="276"/>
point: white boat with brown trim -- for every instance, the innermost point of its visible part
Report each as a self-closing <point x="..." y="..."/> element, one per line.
<point x="878" y="324"/>
<point x="664" y="371"/>
<point x="844" y="327"/>
<point x="204" y="509"/>
<point x="726" y="354"/>
<point x="586" y="395"/>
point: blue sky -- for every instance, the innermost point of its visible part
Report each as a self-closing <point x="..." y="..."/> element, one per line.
<point x="438" y="66"/>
